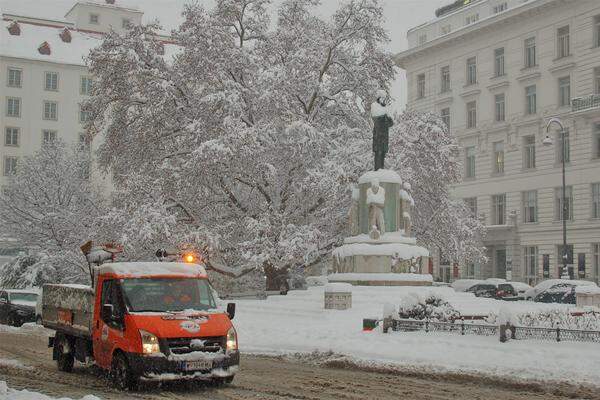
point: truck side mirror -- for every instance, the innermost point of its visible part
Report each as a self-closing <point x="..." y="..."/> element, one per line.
<point x="108" y="311"/>
<point x="231" y="310"/>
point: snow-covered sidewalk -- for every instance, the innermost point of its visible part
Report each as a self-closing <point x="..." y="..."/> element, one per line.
<point x="7" y="393"/>
<point x="297" y="323"/>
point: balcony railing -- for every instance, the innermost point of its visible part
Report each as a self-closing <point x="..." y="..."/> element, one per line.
<point x="585" y="103"/>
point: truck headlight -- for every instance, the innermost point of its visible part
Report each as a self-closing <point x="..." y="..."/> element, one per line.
<point x="149" y="343"/>
<point x="232" y="343"/>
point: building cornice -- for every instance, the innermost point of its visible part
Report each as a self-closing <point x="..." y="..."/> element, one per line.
<point x="489" y="23"/>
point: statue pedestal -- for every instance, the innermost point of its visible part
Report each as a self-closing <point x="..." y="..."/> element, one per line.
<point x="393" y="259"/>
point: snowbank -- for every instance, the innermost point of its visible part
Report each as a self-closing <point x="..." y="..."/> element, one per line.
<point x="297" y="323"/>
<point x="338" y="288"/>
<point x="7" y="393"/>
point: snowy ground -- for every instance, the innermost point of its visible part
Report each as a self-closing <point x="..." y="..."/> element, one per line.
<point x="7" y="393"/>
<point x="297" y="323"/>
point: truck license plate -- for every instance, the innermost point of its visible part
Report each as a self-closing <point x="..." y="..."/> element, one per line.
<point x="200" y="365"/>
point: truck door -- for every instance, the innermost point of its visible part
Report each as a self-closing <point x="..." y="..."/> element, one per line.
<point x="109" y="327"/>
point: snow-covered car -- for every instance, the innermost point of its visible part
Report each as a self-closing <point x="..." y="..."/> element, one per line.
<point x="462" y="285"/>
<point x="548" y="283"/>
<point x="483" y="290"/>
<point x="563" y="293"/>
<point x="17" y="306"/>
<point x="512" y="290"/>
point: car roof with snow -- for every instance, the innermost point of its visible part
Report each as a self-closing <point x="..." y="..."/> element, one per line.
<point x="25" y="291"/>
<point x="152" y="269"/>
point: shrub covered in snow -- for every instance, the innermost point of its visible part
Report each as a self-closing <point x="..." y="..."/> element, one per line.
<point x="558" y="318"/>
<point x="427" y="306"/>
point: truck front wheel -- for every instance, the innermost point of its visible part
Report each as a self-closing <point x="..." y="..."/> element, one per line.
<point x="121" y="374"/>
<point x="64" y="355"/>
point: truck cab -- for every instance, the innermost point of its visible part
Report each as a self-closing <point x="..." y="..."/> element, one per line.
<point x="151" y="321"/>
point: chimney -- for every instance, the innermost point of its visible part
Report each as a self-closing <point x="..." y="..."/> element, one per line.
<point x="65" y="35"/>
<point x="14" y="29"/>
<point x="44" y="49"/>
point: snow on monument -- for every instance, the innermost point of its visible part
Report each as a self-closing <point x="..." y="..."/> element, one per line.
<point x="381" y="250"/>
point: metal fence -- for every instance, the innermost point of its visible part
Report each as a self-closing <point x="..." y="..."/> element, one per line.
<point x="503" y="332"/>
<point x="584" y="103"/>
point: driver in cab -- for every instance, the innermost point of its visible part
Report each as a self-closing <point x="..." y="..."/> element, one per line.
<point x="178" y="296"/>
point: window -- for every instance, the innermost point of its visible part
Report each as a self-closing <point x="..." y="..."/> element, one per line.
<point x="563" y="151"/>
<point x="11" y="137"/>
<point x="50" y="110"/>
<point x="471" y="19"/>
<point x="94" y="19"/>
<point x="529" y="152"/>
<point x="499" y="62"/>
<point x="125" y="22"/>
<point x="499" y="100"/>
<point x="84" y="116"/>
<point x="498" y="158"/>
<point x="15" y="77"/>
<point x="446" y="29"/>
<point x="48" y="136"/>
<point x="499" y="209"/>
<point x="85" y="87"/>
<point x="471" y="204"/>
<point x="563" y="42"/>
<point x="597" y="80"/>
<point x="530" y="206"/>
<point x="564" y="91"/>
<point x="51" y="81"/>
<point x="422" y="39"/>
<point x="530" y="60"/>
<point x="445" y="84"/>
<point x="564" y="207"/>
<point x="13" y="107"/>
<point x="10" y="165"/>
<point x="597" y="31"/>
<point x="471" y="71"/>
<point x="596" y="260"/>
<point x="500" y="8"/>
<point x="471" y="115"/>
<point x="596" y="141"/>
<point x="445" y="115"/>
<point x="420" y="86"/>
<point x="563" y="254"/>
<point x="470" y="162"/>
<point x="596" y="200"/>
<point x="531" y="100"/>
<point x="531" y="262"/>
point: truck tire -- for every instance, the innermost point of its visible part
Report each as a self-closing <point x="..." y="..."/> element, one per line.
<point x="121" y="374"/>
<point x="14" y="320"/>
<point x="223" y="381"/>
<point x="64" y="354"/>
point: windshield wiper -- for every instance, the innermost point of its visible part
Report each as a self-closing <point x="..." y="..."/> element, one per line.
<point x="150" y="310"/>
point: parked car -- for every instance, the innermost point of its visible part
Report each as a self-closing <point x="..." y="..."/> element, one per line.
<point x="512" y="290"/>
<point x="560" y="293"/>
<point x="17" y="306"/>
<point x="462" y="285"/>
<point x="548" y="283"/>
<point x="483" y="290"/>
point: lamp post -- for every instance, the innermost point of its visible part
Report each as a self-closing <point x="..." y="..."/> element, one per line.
<point x="548" y="142"/>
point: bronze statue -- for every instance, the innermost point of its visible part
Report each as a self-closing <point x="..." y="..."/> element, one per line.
<point x="381" y="126"/>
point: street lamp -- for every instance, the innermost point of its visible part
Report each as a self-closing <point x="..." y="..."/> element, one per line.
<point x="548" y="142"/>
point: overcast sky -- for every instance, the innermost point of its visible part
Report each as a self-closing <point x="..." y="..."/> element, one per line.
<point x="401" y="15"/>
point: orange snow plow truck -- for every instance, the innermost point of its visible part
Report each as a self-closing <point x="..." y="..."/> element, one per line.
<point x="143" y="321"/>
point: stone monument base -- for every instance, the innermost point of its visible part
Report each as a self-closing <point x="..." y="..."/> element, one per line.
<point x="382" y="279"/>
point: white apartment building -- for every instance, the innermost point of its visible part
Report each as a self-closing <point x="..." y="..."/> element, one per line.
<point x="496" y="71"/>
<point x="44" y="78"/>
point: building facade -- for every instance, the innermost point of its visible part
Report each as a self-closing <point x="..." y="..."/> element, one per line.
<point x="496" y="72"/>
<point x="44" y="80"/>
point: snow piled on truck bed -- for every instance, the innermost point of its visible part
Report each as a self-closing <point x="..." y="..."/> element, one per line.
<point x="298" y="323"/>
<point x="7" y="393"/>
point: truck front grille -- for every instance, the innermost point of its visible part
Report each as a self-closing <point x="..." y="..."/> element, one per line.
<point x="188" y="345"/>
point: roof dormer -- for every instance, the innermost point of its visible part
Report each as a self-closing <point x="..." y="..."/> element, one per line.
<point x="65" y="35"/>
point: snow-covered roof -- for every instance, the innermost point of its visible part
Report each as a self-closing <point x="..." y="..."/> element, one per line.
<point x="32" y="36"/>
<point x="149" y="269"/>
<point x="383" y="175"/>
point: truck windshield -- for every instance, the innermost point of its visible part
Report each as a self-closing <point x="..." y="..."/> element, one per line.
<point x="32" y="297"/>
<point x="167" y="294"/>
